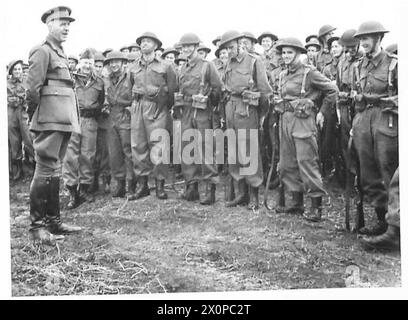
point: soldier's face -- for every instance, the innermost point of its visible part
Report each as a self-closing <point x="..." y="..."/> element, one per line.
<point x="336" y="49"/>
<point x="312" y="52"/>
<point x="202" y="54"/>
<point x="158" y="54"/>
<point x="170" y="57"/>
<point x="368" y="43"/>
<point x="116" y="65"/>
<point x="189" y="50"/>
<point x="98" y="67"/>
<point x="266" y="43"/>
<point x="289" y="55"/>
<point x="232" y="49"/>
<point x="17" y="71"/>
<point x="148" y="45"/>
<point x="352" y="50"/>
<point x="224" y="55"/>
<point x="247" y="44"/>
<point x="87" y="65"/>
<point x="59" y="29"/>
<point x="72" y="64"/>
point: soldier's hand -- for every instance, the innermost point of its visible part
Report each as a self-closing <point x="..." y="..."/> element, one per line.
<point x="320" y="120"/>
<point x="353" y="94"/>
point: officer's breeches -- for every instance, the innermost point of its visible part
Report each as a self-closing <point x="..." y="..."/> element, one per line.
<point x="196" y="121"/>
<point x="241" y="120"/>
<point x="393" y="215"/>
<point x="18" y="132"/>
<point x="120" y="152"/>
<point x="150" y="153"/>
<point x="50" y="148"/>
<point x="299" y="158"/>
<point x="377" y="149"/>
<point x="80" y="156"/>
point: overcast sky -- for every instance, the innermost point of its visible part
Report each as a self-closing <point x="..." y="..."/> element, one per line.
<point x="103" y="24"/>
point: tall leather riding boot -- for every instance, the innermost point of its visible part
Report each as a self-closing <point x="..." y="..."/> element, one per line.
<point x="143" y="189"/>
<point x="381" y="225"/>
<point x="53" y="217"/>
<point x="160" y="193"/>
<point x="242" y="197"/>
<point x="39" y="189"/>
<point x="315" y="213"/>
<point x="209" y="197"/>
<point x="74" y="200"/>
<point x="191" y="193"/>
<point x="389" y="240"/>
<point x="254" y="199"/>
<point x="120" y="189"/>
<point x="85" y="194"/>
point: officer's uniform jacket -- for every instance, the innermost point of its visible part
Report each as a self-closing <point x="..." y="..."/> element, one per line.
<point x="50" y="89"/>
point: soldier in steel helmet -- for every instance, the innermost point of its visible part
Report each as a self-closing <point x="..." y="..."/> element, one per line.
<point x="78" y="167"/>
<point x="246" y="81"/>
<point x="203" y="51"/>
<point x="324" y="57"/>
<point x="170" y="54"/>
<point x="118" y="99"/>
<point x="248" y="42"/>
<point x="53" y="112"/>
<point x="270" y="55"/>
<point x="154" y="82"/>
<point x="375" y="125"/>
<point x="18" y="133"/>
<point x="298" y="88"/>
<point x="200" y="87"/>
<point x="313" y="48"/>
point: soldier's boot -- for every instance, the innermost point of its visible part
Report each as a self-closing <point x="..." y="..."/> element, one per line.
<point x="389" y="240"/>
<point x="105" y="186"/>
<point x="39" y="190"/>
<point x="131" y="188"/>
<point x="242" y="197"/>
<point x="315" y="213"/>
<point x="18" y="172"/>
<point x="254" y="199"/>
<point x="160" y="193"/>
<point x="143" y="189"/>
<point x="74" y="200"/>
<point x="85" y="194"/>
<point x="177" y="171"/>
<point x="209" y="197"/>
<point x="381" y="225"/>
<point x="191" y="193"/>
<point x="53" y="217"/>
<point x="95" y="183"/>
<point x="120" y="189"/>
<point x="297" y="204"/>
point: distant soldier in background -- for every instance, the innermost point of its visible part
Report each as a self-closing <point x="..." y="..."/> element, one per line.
<point x="72" y="62"/>
<point x="324" y="57"/>
<point x="203" y="51"/>
<point x="17" y="120"/>
<point x="248" y="42"/>
<point x="124" y="49"/>
<point x="313" y="48"/>
<point x="170" y="54"/>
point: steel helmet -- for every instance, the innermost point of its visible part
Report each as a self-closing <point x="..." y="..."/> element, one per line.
<point x="267" y="34"/>
<point x="149" y="35"/>
<point x="115" y="55"/>
<point x="331" y="40"/>
<point x="291" y="42"/>
<point x="229" y="36"/>
<point x="170" y="50"/>
<point x="325" y="30"/>
<point x="370" y="27"/>
<point x="214" y="42"/>
<point x="189" y="38"/>
<point x="313" y="42"/>
<point x="12" y="64"/>
<point x="249" y="35"/>
<point x="203" y="47"/>
<point x="308" y="38"/>
<point x="99" y="56"/>
<point x="347" y="39"/>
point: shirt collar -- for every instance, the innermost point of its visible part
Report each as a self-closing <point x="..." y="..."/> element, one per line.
<point x="378" y="58"/>
<point x="143" y="62"/>
<point x="54" y="43"/>
<point x="240" y="56"/>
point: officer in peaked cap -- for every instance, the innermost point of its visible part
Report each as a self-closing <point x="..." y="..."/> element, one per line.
<point x="53" y="118"/>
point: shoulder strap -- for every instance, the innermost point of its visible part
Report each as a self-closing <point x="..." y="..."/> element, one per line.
<point x="303" y="90"/>
<point x="281" y="74"/>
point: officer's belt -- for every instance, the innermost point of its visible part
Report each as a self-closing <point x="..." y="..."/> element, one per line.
<point x="58" y="83"/>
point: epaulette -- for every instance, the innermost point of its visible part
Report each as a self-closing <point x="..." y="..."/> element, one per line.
<point x="35" y="48"/>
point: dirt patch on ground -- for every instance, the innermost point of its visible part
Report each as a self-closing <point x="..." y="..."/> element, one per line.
<point x="153" y="246"/>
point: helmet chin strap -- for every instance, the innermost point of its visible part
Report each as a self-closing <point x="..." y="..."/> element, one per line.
<point x="370" y="54"/>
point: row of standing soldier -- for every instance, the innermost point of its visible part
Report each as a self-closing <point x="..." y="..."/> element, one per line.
<point x="248" y="92"/>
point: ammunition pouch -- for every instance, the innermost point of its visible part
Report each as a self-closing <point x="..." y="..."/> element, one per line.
<point x="281" y="106"/>
<point x="389" y="104"/>
<point x="178" y="99"/>
<point x="303" y="108"/>
<point x="251" y="97"/>
<point x="199" y="101"/>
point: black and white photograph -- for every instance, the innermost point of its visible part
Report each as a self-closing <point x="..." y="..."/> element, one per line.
<point x="157" y="148"/>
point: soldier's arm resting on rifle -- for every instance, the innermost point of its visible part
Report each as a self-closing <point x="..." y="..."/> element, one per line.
<point x="38" y="61"/>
